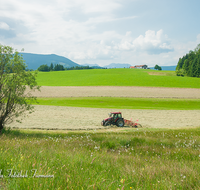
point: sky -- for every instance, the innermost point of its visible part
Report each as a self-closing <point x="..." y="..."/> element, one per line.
<point x="101" y="32"/>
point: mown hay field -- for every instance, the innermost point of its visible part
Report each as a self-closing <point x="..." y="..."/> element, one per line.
<point x="73" y="118"/>
<point x="77" y="90"/>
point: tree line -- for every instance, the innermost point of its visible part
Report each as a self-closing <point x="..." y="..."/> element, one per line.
<point x="79" y="68"/>
<point x="56" y="67"/>
<point x="189" y="64"/>
<point x="59" y="67"/>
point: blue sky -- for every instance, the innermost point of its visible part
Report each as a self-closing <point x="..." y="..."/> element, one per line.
<point x="103" y="31"/>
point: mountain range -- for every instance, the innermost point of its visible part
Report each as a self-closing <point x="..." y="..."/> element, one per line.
<point x="33" y="61"/>
<point x="117" y="65"/>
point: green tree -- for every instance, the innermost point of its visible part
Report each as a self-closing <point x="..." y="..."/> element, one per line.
<point x="195" y="67"/>
<point x="180" y="72"/>
<point x="15" y="82"/>
<point x="51" y="67"/>
<point x="157" y="67"/>
<point x="43" y="68"/>
<point x="189" y="64"/>
<point x="197" y="49"/>
<point x="186" y="66"/>
<point x="198" y="65"/>
<point x="59" y="67"/>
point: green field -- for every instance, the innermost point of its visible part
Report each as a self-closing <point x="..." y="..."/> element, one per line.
<point x="119" y="77"/>
<point x="126" y="159"/>
<point x="116" y="77"/>
<point x="109" y="159"/>
<point x="124" y="103"/>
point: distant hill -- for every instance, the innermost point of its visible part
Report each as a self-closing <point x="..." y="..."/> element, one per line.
<point x="95" y="66"/>
<point x="117" y="65"/>
<point x="166" y="68"/>
<point x="33" y="61"/>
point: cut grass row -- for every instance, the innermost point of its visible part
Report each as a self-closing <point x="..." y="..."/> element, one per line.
<point x="124" y="103"/>
<point x="130" y="159"/>
<point x="116" y="77"/>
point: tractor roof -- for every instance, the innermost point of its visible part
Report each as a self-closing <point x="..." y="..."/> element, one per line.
<point x="116" y="112"/>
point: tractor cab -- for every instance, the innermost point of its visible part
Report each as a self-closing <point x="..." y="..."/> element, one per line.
<point x="115" y="118"/>
<point x="115" y="115"/>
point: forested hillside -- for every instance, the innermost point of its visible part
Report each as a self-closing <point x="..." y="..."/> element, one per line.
<point x="189" y="65"/>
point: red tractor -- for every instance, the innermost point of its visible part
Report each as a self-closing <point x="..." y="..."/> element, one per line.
<point x="115" y="118"/>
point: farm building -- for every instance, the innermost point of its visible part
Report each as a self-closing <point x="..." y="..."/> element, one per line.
<point x="139" y="67"/>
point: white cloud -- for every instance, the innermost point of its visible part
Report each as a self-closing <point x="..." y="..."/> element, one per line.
<point x="198" y="38"/>
<point x="95" y="30"/>
<point x="4" y="26"/>
<point x="111" y="45"/>
<point x="104" y="19"/>
<point x="152" y="42"/>
<point x="92" y="51"/>
<point x="96" y="6"/>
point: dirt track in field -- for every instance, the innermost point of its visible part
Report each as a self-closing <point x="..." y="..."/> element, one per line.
<point x="55" y="117"/>
<point x="117" y="91"/>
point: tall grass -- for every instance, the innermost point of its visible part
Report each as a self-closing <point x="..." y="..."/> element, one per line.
<point x="128" y="159"/>
<point x="116" y="77"/>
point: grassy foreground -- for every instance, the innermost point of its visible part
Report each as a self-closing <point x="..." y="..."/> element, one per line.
<point x="128" y="159"/>
<point x="124" y="103"/>
<point x="116" y="77"/>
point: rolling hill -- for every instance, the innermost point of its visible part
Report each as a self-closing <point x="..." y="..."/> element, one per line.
<point x="33" y="61"/>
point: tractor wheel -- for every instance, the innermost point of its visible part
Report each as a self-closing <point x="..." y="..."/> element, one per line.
<point x="138" y="126"/>
<point x="120" y="123"/>
<point x="107" y="123"/>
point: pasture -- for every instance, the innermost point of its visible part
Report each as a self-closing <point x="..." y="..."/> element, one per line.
<point x="116" y="77"/>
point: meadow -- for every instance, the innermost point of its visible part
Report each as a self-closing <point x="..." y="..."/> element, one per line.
<point x="116" y="77"/>
<point x="113" y="158"/>
<point x="123" y="103"/>
<point x="121" y="159"/>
